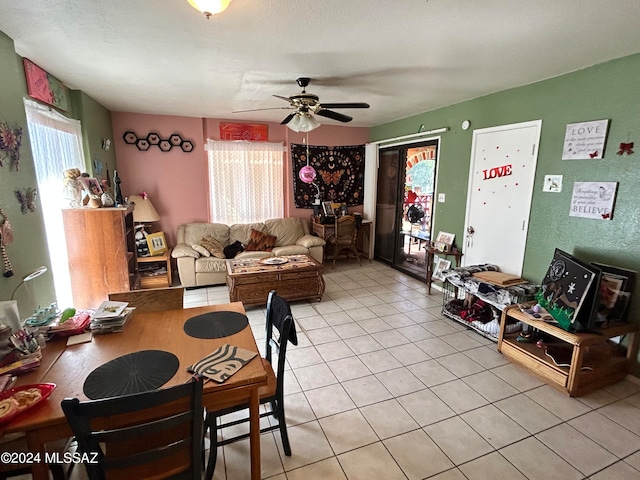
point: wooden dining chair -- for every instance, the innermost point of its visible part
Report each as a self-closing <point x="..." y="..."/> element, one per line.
<point x="155" y="434"/>
<point x="152" y="299"/>
<point x="279" y="318"/>
<point x="344" y="239"/>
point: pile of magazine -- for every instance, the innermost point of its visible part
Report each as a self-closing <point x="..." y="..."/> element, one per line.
<point x="110" y="317"/>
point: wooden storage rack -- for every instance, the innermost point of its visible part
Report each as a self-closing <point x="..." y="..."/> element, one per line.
<point x="609" y="360"/>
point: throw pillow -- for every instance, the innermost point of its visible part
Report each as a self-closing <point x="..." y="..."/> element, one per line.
<point x="214" y="246"/>
<point x="261" y="241"/>
<point x="201" y="250"/>
<point x="232" y="250"/>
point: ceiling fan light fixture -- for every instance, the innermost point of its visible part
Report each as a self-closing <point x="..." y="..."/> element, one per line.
<point x="303" y="122"/>
<point x="210" y="7"/>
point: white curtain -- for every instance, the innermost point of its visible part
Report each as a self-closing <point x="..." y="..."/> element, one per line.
<point x="56" y="143"/>
<point x="246" y="180"/>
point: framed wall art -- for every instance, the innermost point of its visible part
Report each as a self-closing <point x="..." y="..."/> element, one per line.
<point x="157" y="243"/>
<point x="585" y="140"/>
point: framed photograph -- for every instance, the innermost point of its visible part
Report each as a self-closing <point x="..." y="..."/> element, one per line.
<point x="91" y="185"/>
<point x="157" y="243"/>
<point x="327" y="209"/>
<point x="441" y="265"/>
<point x="613" y="295"/>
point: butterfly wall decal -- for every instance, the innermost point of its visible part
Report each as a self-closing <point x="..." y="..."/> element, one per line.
<point x="625" y="148"/>
<point x="27" y="199"/>
<point x="331" y="178"/>
<point x="594" y="154"/>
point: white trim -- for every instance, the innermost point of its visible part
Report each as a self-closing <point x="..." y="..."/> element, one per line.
<point x="412" y="135"/>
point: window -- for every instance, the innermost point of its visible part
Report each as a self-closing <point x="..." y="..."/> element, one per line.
<point x="246" y="181"/>
<point x="56" y="143"/>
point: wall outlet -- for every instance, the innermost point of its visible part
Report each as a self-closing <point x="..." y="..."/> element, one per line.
<point x="441" y="197"/>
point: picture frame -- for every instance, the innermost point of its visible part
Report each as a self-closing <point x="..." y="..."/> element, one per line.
<point x="444" y="242"/>
<point x="327" y="209"/>
<point x="613" y="295"/>
<point x="91" y="185"/>
<point x="441" y="265"/>
<point x="157" y="243"/>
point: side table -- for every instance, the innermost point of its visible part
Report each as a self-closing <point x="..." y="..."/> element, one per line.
<point x="430" y="252"/>
<point x="155" y="272"/>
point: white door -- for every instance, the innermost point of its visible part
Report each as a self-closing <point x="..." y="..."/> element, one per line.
<point x="501" y="176"/>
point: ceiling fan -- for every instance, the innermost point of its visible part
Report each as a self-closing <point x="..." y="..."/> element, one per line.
<point x="306" y="105"/>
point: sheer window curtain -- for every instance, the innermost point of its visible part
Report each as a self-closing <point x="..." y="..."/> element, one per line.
<point x="56" y="143"/>
<point x="246" y="180"/>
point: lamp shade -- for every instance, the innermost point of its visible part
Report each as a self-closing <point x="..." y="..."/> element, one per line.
<point x="144" y="211"/>
<point x="210" y="7"/>
<point x="303" y="122"/>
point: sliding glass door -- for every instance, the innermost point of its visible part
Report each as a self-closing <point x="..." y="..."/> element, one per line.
<point x="404" y="209"/>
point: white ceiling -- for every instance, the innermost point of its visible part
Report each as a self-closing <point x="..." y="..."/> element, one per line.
<point x="401" y="57"/>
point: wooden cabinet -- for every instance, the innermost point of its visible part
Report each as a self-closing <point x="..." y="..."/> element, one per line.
<point x="363" y="240"/>
<point x="593" y="359"/>
<point x="102" y="253"/>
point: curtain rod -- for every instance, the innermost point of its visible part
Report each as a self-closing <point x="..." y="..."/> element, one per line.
<point x="411" y="135"/>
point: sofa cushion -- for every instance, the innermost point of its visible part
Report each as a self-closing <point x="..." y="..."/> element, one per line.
<point x="261" y="241"/>
<point x="309" y="241"/>
<point x="290" y="250"/>
<point x="287" y="230"/>
<point x="214" y="247"/>
<point x="201" y="250"/>
<point x="194" y="232"/>
<point x="242" y="231"/>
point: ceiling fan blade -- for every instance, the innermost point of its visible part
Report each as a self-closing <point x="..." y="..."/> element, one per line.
<point x="345" y="105"/>
<point x="287" y="119"/>
<point x="261" y="109"/>
<point x="286" y="99"/>
<point x="334" y="115"/>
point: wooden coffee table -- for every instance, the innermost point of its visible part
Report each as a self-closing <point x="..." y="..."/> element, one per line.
<point x="293" y="277"/>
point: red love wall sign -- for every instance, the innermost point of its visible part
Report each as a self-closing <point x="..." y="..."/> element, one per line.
<point x="495" y="172"/>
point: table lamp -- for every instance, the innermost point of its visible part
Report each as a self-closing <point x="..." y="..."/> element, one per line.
<point x="143" y="214"/>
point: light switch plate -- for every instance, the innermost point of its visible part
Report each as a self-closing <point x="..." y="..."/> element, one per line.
<point x="441" y="197"/>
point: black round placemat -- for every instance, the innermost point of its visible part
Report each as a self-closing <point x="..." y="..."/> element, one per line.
<point x="132" y="373"/>
<point x="215" y="324"/>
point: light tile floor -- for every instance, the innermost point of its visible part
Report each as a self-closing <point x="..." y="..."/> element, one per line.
<point x="381" y="386"/>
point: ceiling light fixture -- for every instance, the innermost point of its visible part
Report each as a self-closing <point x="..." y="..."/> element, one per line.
<point x="210" y="7"/>
<point x="303" y="122"/>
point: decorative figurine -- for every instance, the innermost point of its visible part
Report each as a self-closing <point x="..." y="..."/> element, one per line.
<point x="116" y="188"/>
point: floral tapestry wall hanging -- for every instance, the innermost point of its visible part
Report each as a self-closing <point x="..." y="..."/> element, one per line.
<point x="340" y="174"/>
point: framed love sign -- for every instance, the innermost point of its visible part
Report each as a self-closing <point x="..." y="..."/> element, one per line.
<point x="585" y="140"/>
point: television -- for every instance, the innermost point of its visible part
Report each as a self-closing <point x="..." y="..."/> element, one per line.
<point x="613" y="295"/>
<point x="568" y="291"/>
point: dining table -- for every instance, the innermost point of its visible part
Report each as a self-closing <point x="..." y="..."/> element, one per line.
<point x="69" y="366"/>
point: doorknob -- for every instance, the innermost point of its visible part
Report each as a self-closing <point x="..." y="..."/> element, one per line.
<point x="470" y="232"/>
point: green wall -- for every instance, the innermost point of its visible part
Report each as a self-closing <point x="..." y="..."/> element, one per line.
<point x="605" y="91"/>
<point x="29" y="249"/>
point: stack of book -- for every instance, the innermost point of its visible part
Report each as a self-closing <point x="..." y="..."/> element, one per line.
<point x="111" y="317"/>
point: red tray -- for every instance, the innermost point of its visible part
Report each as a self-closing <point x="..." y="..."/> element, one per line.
<point x="45" y="390"/>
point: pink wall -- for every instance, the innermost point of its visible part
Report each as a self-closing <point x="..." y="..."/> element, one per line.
<point x="177" y="181"/>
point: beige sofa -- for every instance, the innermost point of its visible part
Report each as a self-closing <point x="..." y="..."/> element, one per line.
<point x="292" y="234"/>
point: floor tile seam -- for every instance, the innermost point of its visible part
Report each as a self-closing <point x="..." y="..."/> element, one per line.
<point x="550" y="411"/>
<point x="617" y="458"/>
<point x="529" y="434"/>
<point x="410" y="372"/>
<point x="491" y="402"/>
<point x="609" y="418"/>
<point x="456" y="465"/>
<point x="505" y="458"/>
<point x="594" y="440"/>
